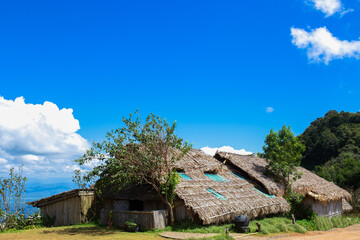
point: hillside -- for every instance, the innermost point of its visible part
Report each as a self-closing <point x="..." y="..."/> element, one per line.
<point x="333" y="148"/>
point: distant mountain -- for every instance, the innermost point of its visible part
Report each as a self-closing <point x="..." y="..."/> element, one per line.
<point x="37" y="189"/>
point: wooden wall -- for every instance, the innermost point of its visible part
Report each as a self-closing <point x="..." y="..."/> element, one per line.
<point x="70" y="211"/>
<point x="66" y="212"/>
<point x="180" y="211"/>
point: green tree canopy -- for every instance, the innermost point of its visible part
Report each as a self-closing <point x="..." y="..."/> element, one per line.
<point x="283" y="151"/>
<point x="333" y="148"/>
<point x="139" y="153"/>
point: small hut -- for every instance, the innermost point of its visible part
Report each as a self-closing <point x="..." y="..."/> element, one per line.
<point x="323" y="196"/>
<point x="68" y="208"/>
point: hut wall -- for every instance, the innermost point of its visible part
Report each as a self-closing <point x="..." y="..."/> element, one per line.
<point x="121" y="205"/>
<point x="70" y="211"/>
<point x="87" y="202"/>
<point x="328" y="209"/>
<point x="154" y="205"/>
<point x="65" y="212"/>
<point x="148" y="220"/>
<point x="180" y="211"/>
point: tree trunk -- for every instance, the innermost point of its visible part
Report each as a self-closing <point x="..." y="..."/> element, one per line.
<point x="171" y="213"/>
<point x="165" y="201"/>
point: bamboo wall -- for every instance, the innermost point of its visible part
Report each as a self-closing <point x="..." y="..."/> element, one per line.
<point x="70" y="211"/>
<point x="327" y="209"/>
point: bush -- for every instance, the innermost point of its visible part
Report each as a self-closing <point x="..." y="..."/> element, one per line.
<point x="20" y="222"/>
<point x="355" y="203"/>
<point x="298" y="208"/>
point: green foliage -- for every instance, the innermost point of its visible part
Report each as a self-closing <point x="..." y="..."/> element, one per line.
<point x="268" y="226"/>
<point x="169" y="189"/>
<point x="11" y="197"/>
<point x="20" y="222"/>
<point x="355" y="201"/>
<point x="333" y="148"/>
<point x="283" y="151"/>
<point x="189" y="226"/>
<point x="298" y="209"/>
<point x="138" y="153"/>
<point x="80" y="179"/>
<point x="130" y="223"/>
<point x="276" y="225"/>
<point x="48" y="221"/>
<point x="344" y="170"/>
<point x="318" y="223"/>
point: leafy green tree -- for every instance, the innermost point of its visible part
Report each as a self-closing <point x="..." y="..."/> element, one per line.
<point x="12" y="190"/>
<point x="333" y="148"/>
<point x="139" y="153"/>
<point x="283" y="151"/>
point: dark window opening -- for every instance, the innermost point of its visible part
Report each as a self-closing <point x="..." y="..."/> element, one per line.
<point x="136" y="205"/>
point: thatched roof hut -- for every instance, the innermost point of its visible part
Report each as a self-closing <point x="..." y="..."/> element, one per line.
<point x="315" y="188"/>
<point x="216" y="192"/>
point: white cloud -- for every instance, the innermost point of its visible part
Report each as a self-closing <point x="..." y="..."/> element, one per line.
<point x="269" y="109"/>
<point x="211" y="151"/>
<point x="322" y="46"/>
<point x="42" y="137"/>
<point x="330" y="7"/>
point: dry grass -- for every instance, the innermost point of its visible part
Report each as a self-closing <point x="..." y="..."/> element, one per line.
<point x="88" y="231"/>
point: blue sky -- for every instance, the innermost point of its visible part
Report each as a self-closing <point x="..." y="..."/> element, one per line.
<point x="216" y="67"/>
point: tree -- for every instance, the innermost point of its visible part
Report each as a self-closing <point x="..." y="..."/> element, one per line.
<point x="283" y="151"/>
<point x="139" y="154"/>
<point x="333" y="148"/>
<point x="12" y="191"/>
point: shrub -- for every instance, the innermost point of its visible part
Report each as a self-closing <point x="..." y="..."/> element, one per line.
<point x="298" y="208"/>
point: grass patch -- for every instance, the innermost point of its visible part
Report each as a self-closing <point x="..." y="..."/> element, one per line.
<point x="268" y="226"/>
<point x="189" y="226"/>
<point x="83" y="231"/>
<point x="325" y="223"/>
<point x="276" y="225"/>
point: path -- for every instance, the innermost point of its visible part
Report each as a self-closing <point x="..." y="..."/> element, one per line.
<point x="349" y="233"/>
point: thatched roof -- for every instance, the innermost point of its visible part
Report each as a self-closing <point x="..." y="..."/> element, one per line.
<point x="309" y="184"/>
<point x="240" y="197"/>
<point x="61" y="196"/>
<point x="346" y="206"/>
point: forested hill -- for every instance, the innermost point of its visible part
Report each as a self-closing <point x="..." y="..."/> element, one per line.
<point x="333" y="148"/>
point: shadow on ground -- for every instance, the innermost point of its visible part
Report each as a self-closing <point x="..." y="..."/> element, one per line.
<point x="92" y="231"/>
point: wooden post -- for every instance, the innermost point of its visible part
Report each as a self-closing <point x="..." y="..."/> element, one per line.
<point x="259" y="227"/>
<point x="293" y="219"/>
<point x="227" y="230"/>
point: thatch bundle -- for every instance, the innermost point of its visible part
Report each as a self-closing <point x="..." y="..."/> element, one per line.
<point x="254" y="167"/>
<point x="318" y="188"/>
<point x="346" y="206"/>
<point x="309" y="184"/>
<point x="240" y="196"/>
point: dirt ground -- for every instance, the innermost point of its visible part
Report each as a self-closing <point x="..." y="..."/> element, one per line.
<point x="349" y="233"/>
<point x="88" y="232"/>
<point x="78" y="233"/>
